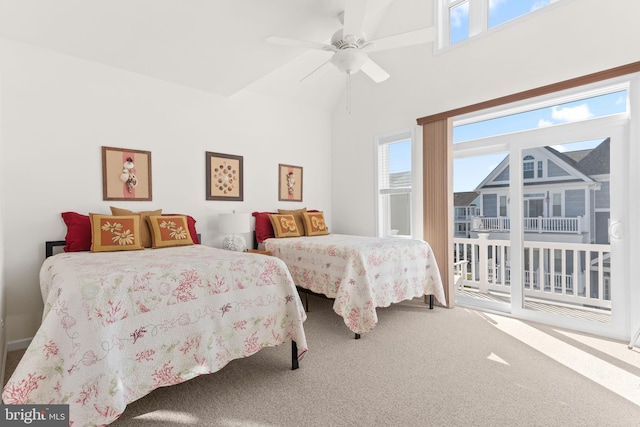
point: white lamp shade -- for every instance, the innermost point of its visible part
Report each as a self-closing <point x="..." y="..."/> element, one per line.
<point x="234" y="223"/>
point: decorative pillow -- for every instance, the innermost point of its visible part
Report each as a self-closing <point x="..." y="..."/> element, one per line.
<point x="169" y="230"/>
<point x="297" y="214"/>
<point x="314" y="224"/>
<point x="264" y="229"/>
<point x="191" y="223"/>
<point x="78" y="236"/>
<point x="115" y="233"/>
<point x="145" y="233"/>
<point x="284" y="225"/>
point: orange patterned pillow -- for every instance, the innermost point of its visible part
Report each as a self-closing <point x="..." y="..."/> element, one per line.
<point x="297" y="215"/>
<point x="314" y="223"/>
<point x="145" y="233"/>
<point x="169" y="230"/>
<point x="284" y="225"/>
<point x="115" y="233"/>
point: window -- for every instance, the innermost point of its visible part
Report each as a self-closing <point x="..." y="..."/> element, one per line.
<point x="464" y="19"/>
<point x="394" y="185"/>
<point x="527" y="167"/>
<point x="556" y="204"/>
<point x="503" y="206"/>
<point x="540" y="169"/>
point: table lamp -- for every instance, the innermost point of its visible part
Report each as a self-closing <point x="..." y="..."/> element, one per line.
<point x="234" y="224"/>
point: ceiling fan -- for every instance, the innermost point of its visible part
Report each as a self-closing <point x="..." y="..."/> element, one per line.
<point x="351" y="48"/>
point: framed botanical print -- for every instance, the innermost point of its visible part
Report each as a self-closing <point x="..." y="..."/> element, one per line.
<point x="224" y="176"/>
<point x="126" y="174"/>
<point x="289" y="183"/>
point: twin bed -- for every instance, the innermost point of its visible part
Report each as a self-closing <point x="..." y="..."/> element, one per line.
<point x="360" y="273"/>
<point x="117" y="325"/>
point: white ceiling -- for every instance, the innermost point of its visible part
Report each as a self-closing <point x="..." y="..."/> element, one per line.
<point x="216" y="46"/>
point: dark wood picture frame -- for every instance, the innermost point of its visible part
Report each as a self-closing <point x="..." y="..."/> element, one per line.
<point x="126" y="174"/>
<point x="224" y="177"/>
<point x="289" y="183"/>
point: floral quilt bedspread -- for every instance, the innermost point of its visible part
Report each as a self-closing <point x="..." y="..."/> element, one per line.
<point x="361" y="273"/>
<point x="118" y="325"/>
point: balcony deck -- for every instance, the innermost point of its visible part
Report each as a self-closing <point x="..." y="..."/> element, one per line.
<point x="540" y="305"/>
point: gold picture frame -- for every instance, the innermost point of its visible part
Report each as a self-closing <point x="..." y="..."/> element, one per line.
<point x="224" y="177"/>
<point x="126" y="174"/>
<point x="289" y="183"/>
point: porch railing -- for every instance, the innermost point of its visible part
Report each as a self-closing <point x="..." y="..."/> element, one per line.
<point x="573" y="273"/>
<point x="531" y="225"/>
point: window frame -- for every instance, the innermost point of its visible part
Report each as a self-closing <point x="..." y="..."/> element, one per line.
<point x="478" y="20"/>
<point x="382" y="221"/>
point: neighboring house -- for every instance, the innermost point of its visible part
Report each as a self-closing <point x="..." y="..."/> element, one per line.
<point x="565" y="197"/>
<point x="466" y="207"/>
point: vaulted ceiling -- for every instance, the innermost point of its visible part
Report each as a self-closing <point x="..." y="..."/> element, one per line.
<point x="217" y="46"/>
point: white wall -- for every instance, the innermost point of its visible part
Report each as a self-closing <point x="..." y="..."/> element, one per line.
<point x="3" y="305"/>
<point x="57" y="113"/>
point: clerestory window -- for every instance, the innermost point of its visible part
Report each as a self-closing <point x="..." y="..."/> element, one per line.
<point x="464" y="19"/>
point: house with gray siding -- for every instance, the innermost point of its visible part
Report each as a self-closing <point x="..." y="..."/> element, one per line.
<point x="565" y="196"/>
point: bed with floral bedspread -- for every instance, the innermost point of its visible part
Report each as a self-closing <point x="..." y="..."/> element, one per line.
<point x="118" y="325"/>
<point x="360" y="273"/>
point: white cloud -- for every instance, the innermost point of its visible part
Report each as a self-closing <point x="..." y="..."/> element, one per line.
<point x="539" y="4"/>
<point x="458" y="14"/>
<point x="571" y="114"/>
<point x="495" y="3"/>
<point x="542" y="123"/>
<point x="620" y="100"/>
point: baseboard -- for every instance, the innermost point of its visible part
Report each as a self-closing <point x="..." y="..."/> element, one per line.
<point x="18" y="345"/>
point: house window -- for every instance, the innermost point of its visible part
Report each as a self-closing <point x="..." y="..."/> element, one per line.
<point x="539" y="168"/>
<point x="394" y="185"/>
<point x="527" y="167"/>
<point x="556" y="209"/>
<point x="503" y="206"/>
<point x="465" y="19"/>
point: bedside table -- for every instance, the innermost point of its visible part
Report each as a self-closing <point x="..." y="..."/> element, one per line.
<point x="258" y="251"/>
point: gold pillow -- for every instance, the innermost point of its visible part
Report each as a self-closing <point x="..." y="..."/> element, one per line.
<point x="169" y="230"/>
<point x="284" y="225"/>
<point x="314" y="224"/>
<point x="297" y="215"/>
<point x="115" y="233"/>
<point x="145" y="233"/>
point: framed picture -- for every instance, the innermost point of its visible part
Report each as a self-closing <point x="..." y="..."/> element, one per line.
<point x="289" y="183"/>
<point x="224" y="176"/>
<point x="126" y="174"/>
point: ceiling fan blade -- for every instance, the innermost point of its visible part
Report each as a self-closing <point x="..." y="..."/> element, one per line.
<point x="314" y="71"/>
<point x="374" y="71"/>
<point x="410" y="38"/>
<point x="300" y="43"/>
<point x="354" y="17"/>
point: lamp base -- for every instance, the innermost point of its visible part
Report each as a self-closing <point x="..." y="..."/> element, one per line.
<point x="234" y="243"/>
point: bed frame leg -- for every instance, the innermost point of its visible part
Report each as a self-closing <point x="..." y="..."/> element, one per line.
<point x="357" y="336"/>
<point x="430" y="301"/>
<point x="294" y="356"/>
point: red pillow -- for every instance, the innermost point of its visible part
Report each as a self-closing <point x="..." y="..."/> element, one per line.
<point x="264" y="229"/>
<point x="191" y="224"/>
<point x="78" y="236"/>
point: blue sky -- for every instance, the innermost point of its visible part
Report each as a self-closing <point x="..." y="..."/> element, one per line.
<point x="500" y="11"/>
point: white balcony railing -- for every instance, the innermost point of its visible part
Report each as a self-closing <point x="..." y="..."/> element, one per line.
<point x="572" y="273"/>
<point x="531" y="225"/>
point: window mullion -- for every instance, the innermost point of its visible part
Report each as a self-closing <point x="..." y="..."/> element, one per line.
<point x="478" y="16"/>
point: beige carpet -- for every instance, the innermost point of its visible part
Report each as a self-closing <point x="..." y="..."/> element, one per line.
<point x="418" y="367"/>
